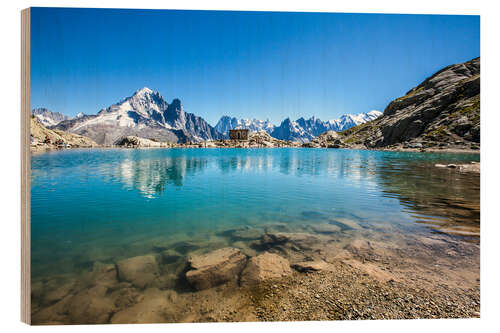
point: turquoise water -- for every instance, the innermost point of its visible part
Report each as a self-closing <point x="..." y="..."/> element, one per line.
<point x="103" y="204"/>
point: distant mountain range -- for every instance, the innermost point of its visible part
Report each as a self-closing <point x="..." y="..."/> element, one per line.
<point x="146" y="114"/>
<point x="298" y="130"/>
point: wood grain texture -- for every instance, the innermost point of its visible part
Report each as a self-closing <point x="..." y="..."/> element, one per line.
<point x="25" y="167"/>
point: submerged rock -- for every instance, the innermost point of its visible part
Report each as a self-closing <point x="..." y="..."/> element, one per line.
<point x="264" y="267"/>
<point x="311" y="266"/>
<point x="58" y="292"/>
<point x="155" y="306"/>
<point x="248" y="234"/>
<point x="325" y="228"/>
<point x="215" y="268"/>
<point x="296" y="240"/>
<point x="140" y="271"/>
<point x="346" y="224"/>
<point x="90" y="306"/>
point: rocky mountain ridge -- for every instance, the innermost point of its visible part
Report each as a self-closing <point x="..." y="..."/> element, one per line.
<point x="443" y="111"/>
<point x="145" y="114"/>
<point x="47" y="117"/>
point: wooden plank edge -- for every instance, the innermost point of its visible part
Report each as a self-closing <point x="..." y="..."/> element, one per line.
<point x="25" y="167"/>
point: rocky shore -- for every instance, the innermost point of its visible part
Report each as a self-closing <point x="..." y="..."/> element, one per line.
<point x="329" y="139"/>
<point x="340" y="270"/>
<point x="43" y="138"/>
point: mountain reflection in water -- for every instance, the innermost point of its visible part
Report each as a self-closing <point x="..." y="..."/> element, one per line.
<point x="444" y="198"/>
<point x="104" y="200"/>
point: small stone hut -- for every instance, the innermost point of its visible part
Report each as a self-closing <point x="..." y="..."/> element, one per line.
<point x="238" y="134"/>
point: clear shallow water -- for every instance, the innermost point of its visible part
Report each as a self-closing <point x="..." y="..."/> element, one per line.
<point x="104" y="204"/>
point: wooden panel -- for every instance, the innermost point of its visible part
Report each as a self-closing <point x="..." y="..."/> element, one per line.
<point x="25" y="167"/>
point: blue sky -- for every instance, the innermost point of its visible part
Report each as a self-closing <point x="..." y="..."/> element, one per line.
<point x="244" y="64"/>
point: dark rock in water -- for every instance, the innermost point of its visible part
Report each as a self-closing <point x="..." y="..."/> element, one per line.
<point x="91" y="306"/>
<point x="345" y="224"/>
<point x="280" y="240"/>
<point x="265" y="267"/>
<point x="140" y="271"/>
<point x="243" y="233"/>
<point x="57" y="290"/>
<point x="325" y="228"/>
<point x="310" y="266"/>
<point x="273" y="239"/>
<point x="444" y="106"/>
<point x="215" y="268"/>
<point x="185" y="247"/>
<point x="277" y="227"/>
<point x="312" y="215"/>
<point x="248" y="234"/>
<point x="170" y="257"/>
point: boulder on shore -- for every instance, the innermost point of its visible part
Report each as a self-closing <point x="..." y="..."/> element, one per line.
<point x="264" y="267"/>
<point x="215" y="268"/>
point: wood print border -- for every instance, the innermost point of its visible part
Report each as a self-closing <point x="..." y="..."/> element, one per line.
<point x="25" y="167"/>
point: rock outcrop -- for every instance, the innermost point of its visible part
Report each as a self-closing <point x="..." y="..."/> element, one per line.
<point x="136" y="142"/>
<point x="443" y="111"/>
<point x="215" y="268"/>
<point x="265" y="267"/>
<point x="260" y="139"/>
<point x="42" y="137"/>
<point x="329" y="139"/>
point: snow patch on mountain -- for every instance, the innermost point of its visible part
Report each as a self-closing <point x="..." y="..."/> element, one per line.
<point x="227" y="123"/>
<point x="48" y="118"/>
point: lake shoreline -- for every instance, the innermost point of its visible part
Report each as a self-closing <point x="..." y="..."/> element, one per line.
<point x="434" y="276"/>
<point x="40" y="149"/>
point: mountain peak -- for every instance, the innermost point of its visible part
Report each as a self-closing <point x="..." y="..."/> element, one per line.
<point x="176" y="104"/>
<point x="143" y="91"/>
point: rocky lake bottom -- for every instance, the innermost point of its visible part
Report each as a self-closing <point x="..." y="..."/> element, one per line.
<point x="180" y="235"/>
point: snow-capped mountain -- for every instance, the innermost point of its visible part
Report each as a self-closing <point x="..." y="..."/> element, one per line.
<point x="227" y="123"/>
<point x="350" y="120"/>
<point x="306" y="129"/>
<point x="145" y="114"/>
<point x="291" y="130"/>
<point x="47" y="117"/>
<point x="299" y="130"/>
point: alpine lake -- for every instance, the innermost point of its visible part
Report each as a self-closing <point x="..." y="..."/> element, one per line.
<point x="382" y="222"/>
